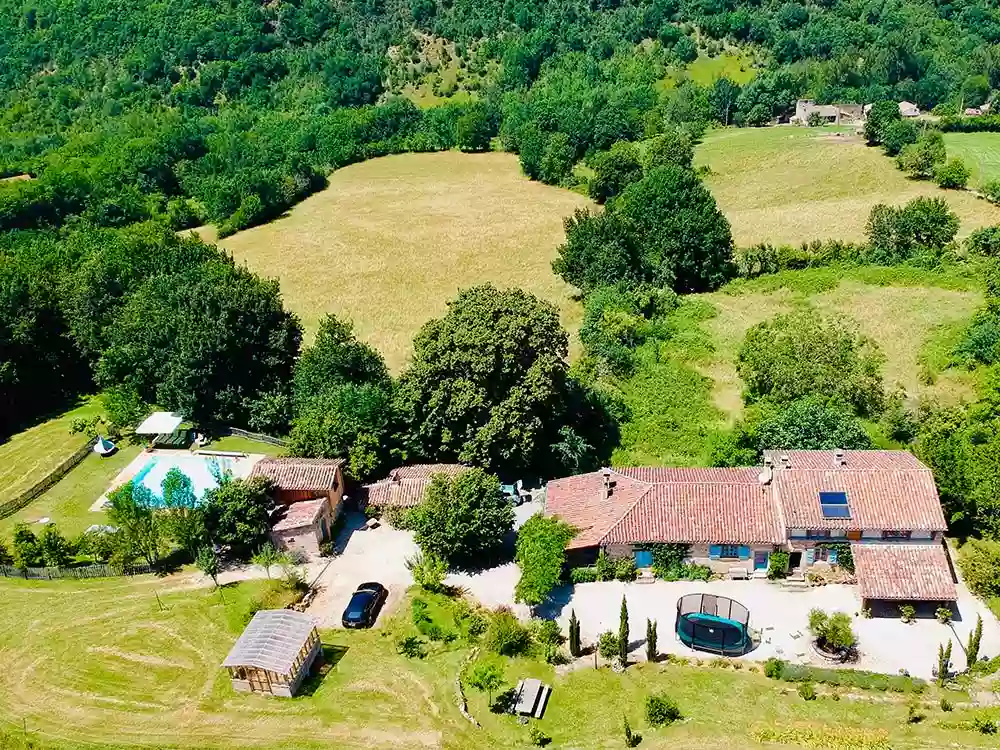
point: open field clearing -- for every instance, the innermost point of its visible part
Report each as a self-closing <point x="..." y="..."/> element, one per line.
<point x="29" y="455"/>
<point x="393" y="239"/>
<point x="979" y="151"/>
<point x="97" y="664"/>
<point x="679" y="398"/>
<point x="792" y="185"/>
<point x="900" y="319"/>
<point x="67" y="504"/>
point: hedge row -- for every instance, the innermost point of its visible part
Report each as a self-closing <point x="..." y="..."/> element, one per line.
<point x="853" y="678"/>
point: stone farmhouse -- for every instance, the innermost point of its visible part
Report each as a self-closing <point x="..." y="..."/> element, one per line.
<point x="832" y="114"/>
<point x="806" y="503"/>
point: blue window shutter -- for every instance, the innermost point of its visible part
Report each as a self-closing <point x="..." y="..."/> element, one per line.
<point x="833" y="557"/>
<point x="744" y="553"/>
<point x="810" y="556"/>
<point x="715" y="551"/>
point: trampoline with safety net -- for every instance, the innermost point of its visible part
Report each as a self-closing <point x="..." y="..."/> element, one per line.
<point x="713" y="623"/>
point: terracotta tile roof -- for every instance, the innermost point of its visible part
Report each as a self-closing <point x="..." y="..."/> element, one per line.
<point x="701" y="513"/>
<point x="907" y="572"/>
<point x="405" y="486"/>
<point x="582" y="502"/>
<point x="300" y="514"/>
<point x="299" y="473"/>
<point x="426" y="471"/>
<point x="892" y="499"/>
<point x="863" y="460"/>
<point x="655" y="475"/>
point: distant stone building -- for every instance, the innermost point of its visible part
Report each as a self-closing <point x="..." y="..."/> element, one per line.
<point x="909" y="109"/>
<point x="806" y="110"/>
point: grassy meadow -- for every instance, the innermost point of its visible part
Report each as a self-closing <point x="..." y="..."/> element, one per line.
<point x="98" y="664"/>
<point x="792" y="185"/>
<point x="979" y="151"/>
<point x="391" y="240"/>
<point x="685" y="390"/>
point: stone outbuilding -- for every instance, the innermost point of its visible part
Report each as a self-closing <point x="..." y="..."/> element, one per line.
<point x="274" y="654"/>
<point x="309" y="493"/>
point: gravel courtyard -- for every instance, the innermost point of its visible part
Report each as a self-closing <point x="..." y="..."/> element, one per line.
<point x="780" y="614"/>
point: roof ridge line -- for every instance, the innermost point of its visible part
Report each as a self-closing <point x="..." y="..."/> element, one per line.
<point x="625" y="515"/>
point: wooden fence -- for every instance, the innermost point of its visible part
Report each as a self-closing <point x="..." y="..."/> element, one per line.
<point x="86" y="571"/>
<point x="10" y="507"/>
<point x="259" y="437"/>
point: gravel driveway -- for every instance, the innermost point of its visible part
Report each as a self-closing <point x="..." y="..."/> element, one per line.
<point x="374" y="555"/>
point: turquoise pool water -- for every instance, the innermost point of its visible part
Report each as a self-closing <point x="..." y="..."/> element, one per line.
<point x="203" y="471"/>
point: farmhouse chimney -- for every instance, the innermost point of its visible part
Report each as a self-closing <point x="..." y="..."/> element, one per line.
<point x="786" y="461"/>
<point x="839" y="458"/>
<point x="609" y="486"/>
<point x="768" y="462"/>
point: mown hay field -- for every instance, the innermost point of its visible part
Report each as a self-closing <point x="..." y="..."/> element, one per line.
<point x="391" y="240"/>
<point x="28" y="456"/>
<point x="790" y="185"/>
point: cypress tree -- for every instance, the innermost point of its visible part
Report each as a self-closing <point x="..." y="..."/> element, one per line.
<point x="651" y="652"/>
<point x="574" y="634"/>
<point x="623" y="632"/>
<point x="972" y="652"/>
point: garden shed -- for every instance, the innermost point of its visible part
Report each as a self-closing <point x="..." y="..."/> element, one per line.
<point x="274" y="654"/>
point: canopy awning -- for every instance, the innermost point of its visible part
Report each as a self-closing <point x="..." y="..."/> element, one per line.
<point x="160" y="423"/>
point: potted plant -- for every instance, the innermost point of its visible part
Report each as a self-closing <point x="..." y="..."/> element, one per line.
<point x="832" y="634"/>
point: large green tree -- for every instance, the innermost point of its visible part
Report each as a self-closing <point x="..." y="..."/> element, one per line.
<point x="488" y="384"/>
<point x="808" y="354"/>
<point x="540" y="554"/>
<point x="237" y="515"/>
<point x="463" y="519"/>
<point x="208" y="341"/>
<point x="352" y="421"/>
<point x="665" y="229"/>
<point x="336" y="358"/>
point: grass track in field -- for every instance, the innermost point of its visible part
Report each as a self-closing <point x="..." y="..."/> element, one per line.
<point x="97" y="664"/>
<point x="979" y="151"/>
<point x="791" y="185"/>
<point x="393" y="239"/>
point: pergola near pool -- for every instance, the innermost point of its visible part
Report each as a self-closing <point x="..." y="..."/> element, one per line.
<point x="903" y="573"/>
<point x="274" y="654"/>
<point x="163" y="428"/>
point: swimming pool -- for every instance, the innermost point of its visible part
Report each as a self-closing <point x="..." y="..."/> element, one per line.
<point x="203" y="471"/>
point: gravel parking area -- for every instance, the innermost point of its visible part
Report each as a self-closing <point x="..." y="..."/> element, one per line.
<point x="373" y="555"/>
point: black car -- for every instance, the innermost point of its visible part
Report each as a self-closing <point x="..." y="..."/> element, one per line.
<point x="364" y="605"/>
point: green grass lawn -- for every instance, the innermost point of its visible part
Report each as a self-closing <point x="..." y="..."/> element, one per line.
<point x="245" y="445"/>
<point x="67" y="504"/>
<point x="98" y="664"/>
<point x="31" y="454"/>
<point x="979" y="151"/>
<point x="793" y="184"/>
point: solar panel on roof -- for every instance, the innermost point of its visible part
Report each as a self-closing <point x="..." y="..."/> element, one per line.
<point x="835" y="511"/>
<point x="834" y="505"/>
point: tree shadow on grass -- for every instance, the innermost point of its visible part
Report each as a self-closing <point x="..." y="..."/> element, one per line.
<point x="327" y="659"/>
